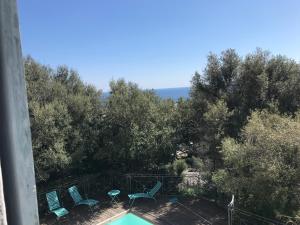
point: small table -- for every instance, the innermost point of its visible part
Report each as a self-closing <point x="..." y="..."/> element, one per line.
<point x="113" y="194"/>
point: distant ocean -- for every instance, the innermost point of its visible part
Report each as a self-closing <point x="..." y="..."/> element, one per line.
<point x="173" y="93"/>
<point x="165" y="93"/>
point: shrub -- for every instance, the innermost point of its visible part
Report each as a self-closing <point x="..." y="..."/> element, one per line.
<point x="191" y="191"/>
<point x="263" y="167"/>
<point x="179" y="166"/>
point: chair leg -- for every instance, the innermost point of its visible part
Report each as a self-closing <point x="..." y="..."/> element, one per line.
<point x="132" y="201"/>
<point x="60" y="220"/>
<point x="92" y="209"/>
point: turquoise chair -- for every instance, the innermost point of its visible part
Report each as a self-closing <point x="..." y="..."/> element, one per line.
<point x="54" y="204"/>
<point x="149" y="194"/>
<point x="78" y="200"/>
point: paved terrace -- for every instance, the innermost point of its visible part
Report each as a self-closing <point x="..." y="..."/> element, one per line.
<point x="187" y="211"/>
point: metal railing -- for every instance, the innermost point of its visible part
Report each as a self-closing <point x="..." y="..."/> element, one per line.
<point x="172" y="184"/>
<point x="99" y="184"/>
<point x="94" y="185"/>
<point x="242" y="217"/>
<point x="237" y="216"/>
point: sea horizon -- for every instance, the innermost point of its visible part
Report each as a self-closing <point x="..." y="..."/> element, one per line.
<point x="173" y="93"/>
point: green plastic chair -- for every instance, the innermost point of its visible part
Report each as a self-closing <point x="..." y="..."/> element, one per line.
<point x="54" y="204"/>
<point x="149" y="194"/>
<point x="78" y="200"/>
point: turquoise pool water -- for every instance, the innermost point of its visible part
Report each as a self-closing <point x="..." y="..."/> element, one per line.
<point x="130" y="219"/>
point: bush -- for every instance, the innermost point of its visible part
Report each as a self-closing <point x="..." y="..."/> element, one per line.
<point x="262" y="168"/>
<point x="197" y="163"/>
<point x="191" y="191"/>
<point x="179" y="166"/>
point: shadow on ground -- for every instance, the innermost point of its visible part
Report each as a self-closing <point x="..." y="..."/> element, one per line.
<point x="187" y="211"/>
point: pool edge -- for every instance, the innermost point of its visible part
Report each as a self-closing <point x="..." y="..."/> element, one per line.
<point x="113" y="217"/>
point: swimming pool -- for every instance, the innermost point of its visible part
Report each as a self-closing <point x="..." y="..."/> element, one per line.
<point x="130" y="219"/>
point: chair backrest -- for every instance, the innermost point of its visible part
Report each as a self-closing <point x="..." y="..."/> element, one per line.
<point x="52" y="200"/>
<point x="155" y="189"/>
<point x="75" y="194"/>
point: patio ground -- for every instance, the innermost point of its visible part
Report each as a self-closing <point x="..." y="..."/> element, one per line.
<point x="187" y="211"/>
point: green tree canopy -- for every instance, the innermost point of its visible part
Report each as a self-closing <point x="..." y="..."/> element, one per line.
<point x="263" y="168"/>
<point x="138" y="132"/>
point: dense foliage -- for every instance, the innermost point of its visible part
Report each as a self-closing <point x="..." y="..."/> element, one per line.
<point x="66" y="119"/>
<point x="243" y="125"/>
<point x="240" y="128"/>
<point x="263" y="168"/>
<point x="138" y="131"/>
<point x="74" y="130"/>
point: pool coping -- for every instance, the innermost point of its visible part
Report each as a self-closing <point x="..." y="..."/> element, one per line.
<point x="119" y="215"/>
<point x="113" y="217"/>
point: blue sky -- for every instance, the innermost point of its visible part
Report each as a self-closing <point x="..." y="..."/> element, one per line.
<point x="155" y="43"/>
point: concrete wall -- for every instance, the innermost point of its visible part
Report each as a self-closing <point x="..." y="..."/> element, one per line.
<point x="3" y="220"/>
<point x="15" y="137"/>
